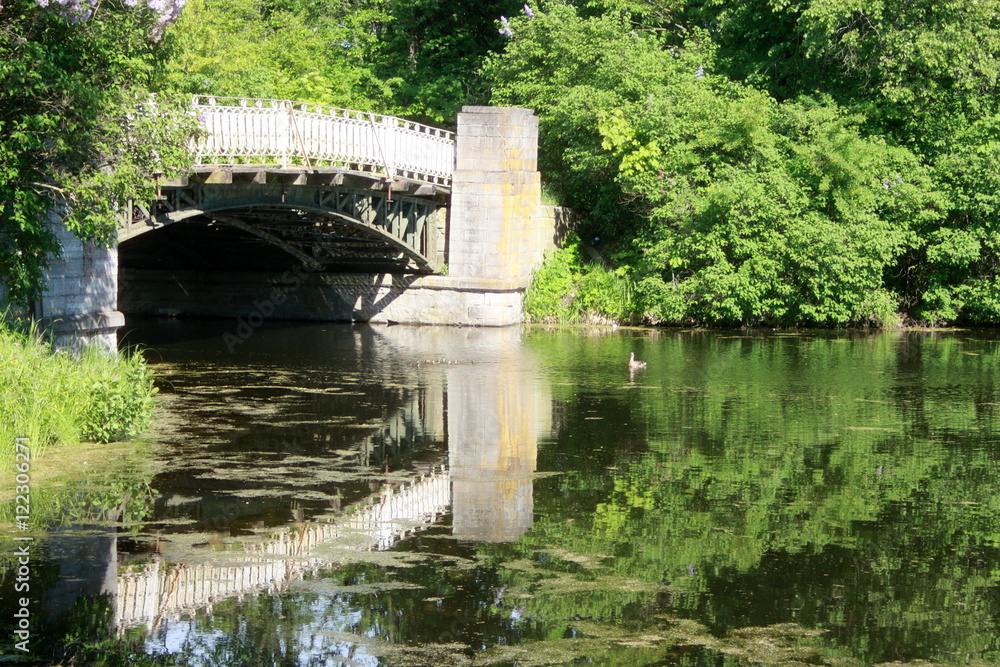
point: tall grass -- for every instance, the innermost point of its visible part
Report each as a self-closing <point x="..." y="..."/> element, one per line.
<point x="56" y="398"/>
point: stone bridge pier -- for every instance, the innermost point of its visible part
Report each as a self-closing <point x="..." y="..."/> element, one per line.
<point x="80" y="302"/>
<point x="492" y="233"/>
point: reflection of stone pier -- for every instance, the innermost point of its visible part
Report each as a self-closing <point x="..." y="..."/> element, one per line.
<point x="159" y="589"/>
<point x="88" y="560"/>
<point x="478" y="390"/>
<point x="493" y="423"/>
<point x="495" y="403"/>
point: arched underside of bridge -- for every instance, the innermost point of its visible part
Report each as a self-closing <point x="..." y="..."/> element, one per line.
<point x="298" y="252"/>
<point x="268" y="238"/>
<point x="222" y="267"/>
<point x="319" y="229"/>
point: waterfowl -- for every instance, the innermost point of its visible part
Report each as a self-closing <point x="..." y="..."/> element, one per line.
<point x="634" y="363"/>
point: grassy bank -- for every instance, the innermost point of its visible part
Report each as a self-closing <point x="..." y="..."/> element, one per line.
<point x="55" y="398"/>
<point x="569" y="289"/>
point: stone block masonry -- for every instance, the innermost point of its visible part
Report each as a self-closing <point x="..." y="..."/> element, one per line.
<point x="80" y="302"/>
<point x="495" y="224"/>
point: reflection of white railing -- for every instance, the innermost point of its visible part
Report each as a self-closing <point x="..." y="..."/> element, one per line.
<point x="160" y="589"/>
<point x="279" y="132"/>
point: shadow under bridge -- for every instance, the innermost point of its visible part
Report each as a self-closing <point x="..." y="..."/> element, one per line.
<point x="323" y="227"/>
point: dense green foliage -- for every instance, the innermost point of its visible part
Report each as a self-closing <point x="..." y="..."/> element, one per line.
<point x="568" y="290"/>
<point x="55" y="398"/>
<point x="277" y="51"/>
<point x="78" y="135"/>
<point x="769" y="162"/>
<point x="418" y="58"/>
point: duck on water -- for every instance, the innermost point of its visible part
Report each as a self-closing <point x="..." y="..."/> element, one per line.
<point x="634" y="363"/>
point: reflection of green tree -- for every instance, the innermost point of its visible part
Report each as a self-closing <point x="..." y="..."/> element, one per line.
<point x="791" y="483"/>
<point x="118" y="494"/>
<point x="262" y="630"/>
<point x="355" y="605"/>
<point x="121" y="495"/>
<point x="847" y="485"/>
<point x="87" y="637"/>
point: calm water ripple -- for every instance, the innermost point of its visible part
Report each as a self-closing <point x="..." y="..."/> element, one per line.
<point x="355" y="495"/>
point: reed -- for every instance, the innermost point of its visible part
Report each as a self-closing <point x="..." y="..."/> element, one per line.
<point x="54" y="397"/>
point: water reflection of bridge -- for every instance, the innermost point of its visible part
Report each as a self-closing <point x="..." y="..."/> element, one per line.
<point x="159" y="589"/>
<point x="479" y="392"/>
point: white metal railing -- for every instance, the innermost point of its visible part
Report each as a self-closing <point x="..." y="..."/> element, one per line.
<point x="242" y="131"/>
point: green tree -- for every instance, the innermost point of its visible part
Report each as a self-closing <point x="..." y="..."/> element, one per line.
<point x="292" y="50"/>
<point x="79" y="133"/>
<point x="956" y="271"/>
<point x="737" y="208"/>
<point x="417" y="58"/>
<point x="760" y="212"/>
<point x="435" y="49"/>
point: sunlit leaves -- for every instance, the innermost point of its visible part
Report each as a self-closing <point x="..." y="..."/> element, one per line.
<point x="730" y="205"/>
<point x="910" y="50"/>
<point x="80" y="135"/>
<point x="414" y="58"/>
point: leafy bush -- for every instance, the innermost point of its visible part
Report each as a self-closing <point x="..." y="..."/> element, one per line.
<point x="605" y="293"/>
<point x="550" y="295"/>
<point x="566" y="289"/>
<point x="53" y="397"/>
<point x="121" y="400"/>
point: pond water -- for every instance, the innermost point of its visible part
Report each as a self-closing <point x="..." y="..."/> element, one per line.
<point x="357" y="495"/>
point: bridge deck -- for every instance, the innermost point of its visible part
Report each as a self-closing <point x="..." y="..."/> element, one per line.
<point x="282" y="170"/>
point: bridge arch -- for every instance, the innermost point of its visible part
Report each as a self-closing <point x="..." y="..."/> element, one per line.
<point x="371" y="229"/>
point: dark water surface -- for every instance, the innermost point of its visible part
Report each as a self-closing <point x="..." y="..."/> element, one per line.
<point x="355" y="495"/>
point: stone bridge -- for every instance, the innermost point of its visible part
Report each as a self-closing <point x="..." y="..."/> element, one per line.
<point x="297" y="211"/>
